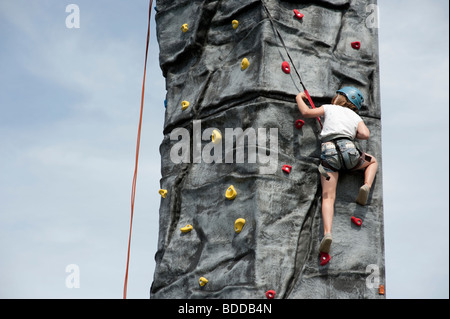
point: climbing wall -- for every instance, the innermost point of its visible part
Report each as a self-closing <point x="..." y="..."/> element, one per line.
<point x="235" y="228"/>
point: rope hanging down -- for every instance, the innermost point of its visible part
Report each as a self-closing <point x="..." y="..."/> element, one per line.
<point x="133" y="189"/>
<point x="290" y="58"/>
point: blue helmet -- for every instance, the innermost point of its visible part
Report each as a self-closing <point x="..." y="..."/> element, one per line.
<point x="353" y="95"/>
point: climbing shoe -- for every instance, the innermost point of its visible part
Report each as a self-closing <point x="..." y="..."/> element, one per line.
<point x="325" y="244"/>
<point x="363" y="195"/>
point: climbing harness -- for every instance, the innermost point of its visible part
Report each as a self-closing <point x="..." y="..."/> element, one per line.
<point x="290" y="58"/>
<point x="343" y="158"/>
<point x="133" y="189"/>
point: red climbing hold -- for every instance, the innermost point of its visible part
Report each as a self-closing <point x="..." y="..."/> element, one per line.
<point x="324" y="258"/>
<point x="356" y="45"/>
<point x="299" y="124"/>
<point x="298" y="14"/>
<point x="270" y="294"/>
<point x="285" y="67"/>
<point x="287" y="168"/>
<point x="356" y="221"/>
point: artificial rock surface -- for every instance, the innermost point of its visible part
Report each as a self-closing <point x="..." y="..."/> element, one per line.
<point x="277" y="248"/>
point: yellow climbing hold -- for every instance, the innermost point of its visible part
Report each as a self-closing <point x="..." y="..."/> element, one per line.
<point x="184" y="27"/>
<point x="244" y="64"/>
<point x="235" y="24"/>
<point x="187" y="229"/>
<point x="230" y="193"/>
<point x="239" y="224"/>
<point x="216" y="137"/>
<point x="163" y="193"/>
<point x="202" y="281"/>
<point x="184" y="105"/>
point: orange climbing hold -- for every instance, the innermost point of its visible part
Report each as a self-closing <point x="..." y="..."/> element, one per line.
<point x="381" y="290"/>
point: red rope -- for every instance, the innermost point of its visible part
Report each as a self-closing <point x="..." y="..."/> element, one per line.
<point x="133" y="189"/>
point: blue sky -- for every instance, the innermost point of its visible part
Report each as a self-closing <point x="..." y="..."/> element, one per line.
<point x="69" y="101"/>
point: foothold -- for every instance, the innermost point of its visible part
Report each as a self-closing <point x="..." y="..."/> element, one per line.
<point x="165" y="104"/>
<point x="184" y="105"/>
<point x="381" y="290"/>
<point x="270" y="294"/>
<point x="187" y="229"/>
<point x="324" y="258"/>
<point x="184" y="27"/>
<point x="298" y="14"/>
<point x="356" y="221"/>
<point x="163" y="193"/>
<point x="239" y="224"/>
<point x="285" y="67"/>
<point x="245" y="64"/>
<point x="299" y="124"/>
<point x="202" y="281"/>
<point x="287" y="168"/>
<point x="235" y="24"/>
<point x="231" y="193"/>
<point x="216" y="137"/>
<point x="356" y="45"/>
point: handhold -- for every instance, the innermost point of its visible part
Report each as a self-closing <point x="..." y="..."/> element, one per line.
<point x="298" y="14"/>
<point x="324" y="258"/>
<point x="216" y="137"/>
<point x="245" y="64"/>
<point x="270" y="294"/>
<point x="356" y="45"/>
<point x="381" y="290"/>
<point x="184" y="27"/>
<point x="231" y="193"/>
<point x="184" y="105"/>
<point x="235" y="24"/>
<point x="202" y="281"/>
<point x="285" y="67"/>
<point x="356" y="221"/>
<point x="239" y="224"/>
<point x="287" y="168"/>
<point x="163" y="193"/>
<point x="299" y="124"/>
<point x="187" y="229"/>
<point x="165" y="104"/>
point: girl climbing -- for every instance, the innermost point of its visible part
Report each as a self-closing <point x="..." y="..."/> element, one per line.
<point x="341" y="126"/>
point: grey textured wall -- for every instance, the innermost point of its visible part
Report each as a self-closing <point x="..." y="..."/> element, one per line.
<point x="278" y="246"/>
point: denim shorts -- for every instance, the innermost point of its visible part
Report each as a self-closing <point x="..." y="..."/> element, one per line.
<point x="351" y="158"/>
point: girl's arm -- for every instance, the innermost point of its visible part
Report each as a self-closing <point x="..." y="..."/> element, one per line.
<point x="362" y="132"/>
<point x="305" y="110"/>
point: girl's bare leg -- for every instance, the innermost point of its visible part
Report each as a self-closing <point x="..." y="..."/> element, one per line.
<point x="328" y="199"/>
